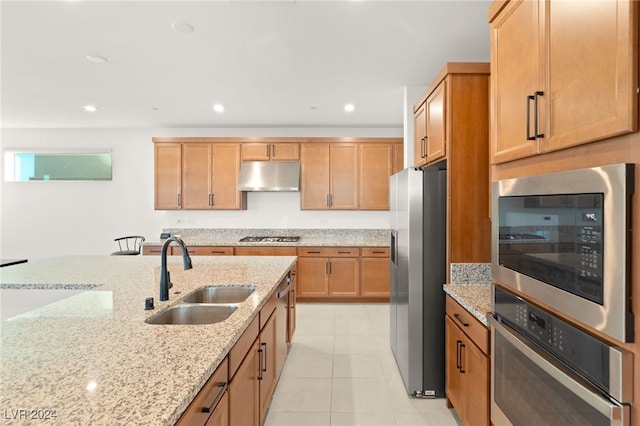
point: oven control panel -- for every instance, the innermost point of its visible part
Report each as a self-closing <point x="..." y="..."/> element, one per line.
<point x="540" y="325"/>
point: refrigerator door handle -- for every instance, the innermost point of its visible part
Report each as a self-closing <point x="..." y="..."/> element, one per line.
<point x="394" y="248"/>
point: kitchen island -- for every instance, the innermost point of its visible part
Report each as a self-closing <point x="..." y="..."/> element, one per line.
<point x="91" y="358"/>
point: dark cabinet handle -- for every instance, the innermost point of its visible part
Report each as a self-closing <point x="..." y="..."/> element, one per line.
<point x="535" y="114"/>
<point x="460" y="320"/>
<point x="212" y="199"/>
<point x="260" y="366"/>
<point x="530" y="137"/>
<point x="458" y="365"/>
<point x="273" y="151"/>
<point x="313" y="252"/>
<point x="265" y="356"/>
<point x="209" y="408"/>
<point x="462" y="346"/>
<point x="179" y="200"/>
<point x="268" y="146"/>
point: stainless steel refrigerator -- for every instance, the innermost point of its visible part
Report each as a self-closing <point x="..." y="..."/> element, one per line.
<point x="418" y="268"/>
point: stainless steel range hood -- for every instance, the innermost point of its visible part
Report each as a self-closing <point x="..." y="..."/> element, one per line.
<point x="269" y="176"/>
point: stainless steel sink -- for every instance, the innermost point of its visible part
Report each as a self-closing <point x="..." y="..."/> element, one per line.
<point x="220" y="294"/>
<point x="193" y="314"/>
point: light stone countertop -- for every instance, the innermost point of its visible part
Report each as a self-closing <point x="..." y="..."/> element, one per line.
<point x="475" y="298"/>
<point x="92" y="359"/>
<point x="309" y="237"/>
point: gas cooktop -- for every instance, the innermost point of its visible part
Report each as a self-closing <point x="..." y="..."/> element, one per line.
<point x="275" y="239"/>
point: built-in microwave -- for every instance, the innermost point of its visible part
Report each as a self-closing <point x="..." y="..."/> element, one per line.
<point x="564" y="240"/>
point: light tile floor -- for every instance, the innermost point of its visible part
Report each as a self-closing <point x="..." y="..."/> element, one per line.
<point x="341" y="371"/>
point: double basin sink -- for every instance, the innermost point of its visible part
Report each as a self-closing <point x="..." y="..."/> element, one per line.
<point x="207" y="305"/>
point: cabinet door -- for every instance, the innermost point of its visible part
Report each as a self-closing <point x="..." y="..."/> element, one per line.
<point x="376" y="163"/>
<point x="257" y="151"/>
<point x="454" y="378"/>
<point x="398" y="157"/>
<point x="344" y="276"/>
<point x="590" y="70"/>
<point x="314" y="176"/>
<point x="220" y="416"/>
<point x="285" y="151"/>
<point x="224" y="177"/>
<point x="312" y="276"/>
<point x="343" y="176"/>
<point x="244" y="393"/>
<point x="478" y="385"/>
<point x="375" y="277"/>
<point x="420" y="136"/>
<point x="196" y="172"/>
<point x="168" y="176"/>
<point x="209" y="251"/>
<point x="268" y="376"/>
<point x="515" y="65"/>
<point x="436" y="123"/>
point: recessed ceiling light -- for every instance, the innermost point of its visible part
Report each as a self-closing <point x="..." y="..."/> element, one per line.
<point x="313" y="107"/>
<point x="97" y="59"/>
<point x="349" y="107"/>
<point x="90" y="108"/>
<point x="182" y="27"/>
<point x="218" y="108"/>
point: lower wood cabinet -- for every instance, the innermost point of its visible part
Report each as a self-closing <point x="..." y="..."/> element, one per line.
<point x="328" y="272"/>
<point x="254" y="380"/>
<point x="375" y="272"/>
<point x="467" y="365"/>
<point x="244" y="390"/>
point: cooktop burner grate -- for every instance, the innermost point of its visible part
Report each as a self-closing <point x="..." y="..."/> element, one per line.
<point x="275" y="239"/>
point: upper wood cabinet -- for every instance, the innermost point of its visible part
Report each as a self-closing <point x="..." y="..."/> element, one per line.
<point x="210" y="176"/>
<point x="444" y="103"/>
<point x="456" y="110"/>
<point x="398" y="157"/>
<point x="262" y="151"/>
<point x="436" y="120"/>
<point x="562" y="74"/>
<point x="336" y="173"/>
<point x="375" y="167"/>
<point x="420" y="136"/>
<point x="168" y="176"/>
<point x="430" y="128"/>
<point x="197" y="176"/>
<point x="329" y="176"/>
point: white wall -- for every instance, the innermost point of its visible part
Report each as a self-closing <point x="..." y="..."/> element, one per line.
<point x="45" y="219"/>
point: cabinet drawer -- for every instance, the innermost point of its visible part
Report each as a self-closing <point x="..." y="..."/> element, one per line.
<point x="329" y="252"/>
<point x="151" y="250"/>
<point x="473" y="328"/>
<point x="265" y="251"/>
<point x="242" y="346"/>
<point x="210" y="251"/>
<point x="375" y="252"/>
<point x="209" y="396"/>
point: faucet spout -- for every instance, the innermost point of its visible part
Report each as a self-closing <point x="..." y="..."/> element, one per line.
<point x="165" y="280"/>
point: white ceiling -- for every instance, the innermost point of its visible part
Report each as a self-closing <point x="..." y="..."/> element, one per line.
<point x="271" y="63"/>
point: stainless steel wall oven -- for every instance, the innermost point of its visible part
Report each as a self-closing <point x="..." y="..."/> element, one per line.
<point x="564" y="239"/>
<point x="546" y="371"/>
